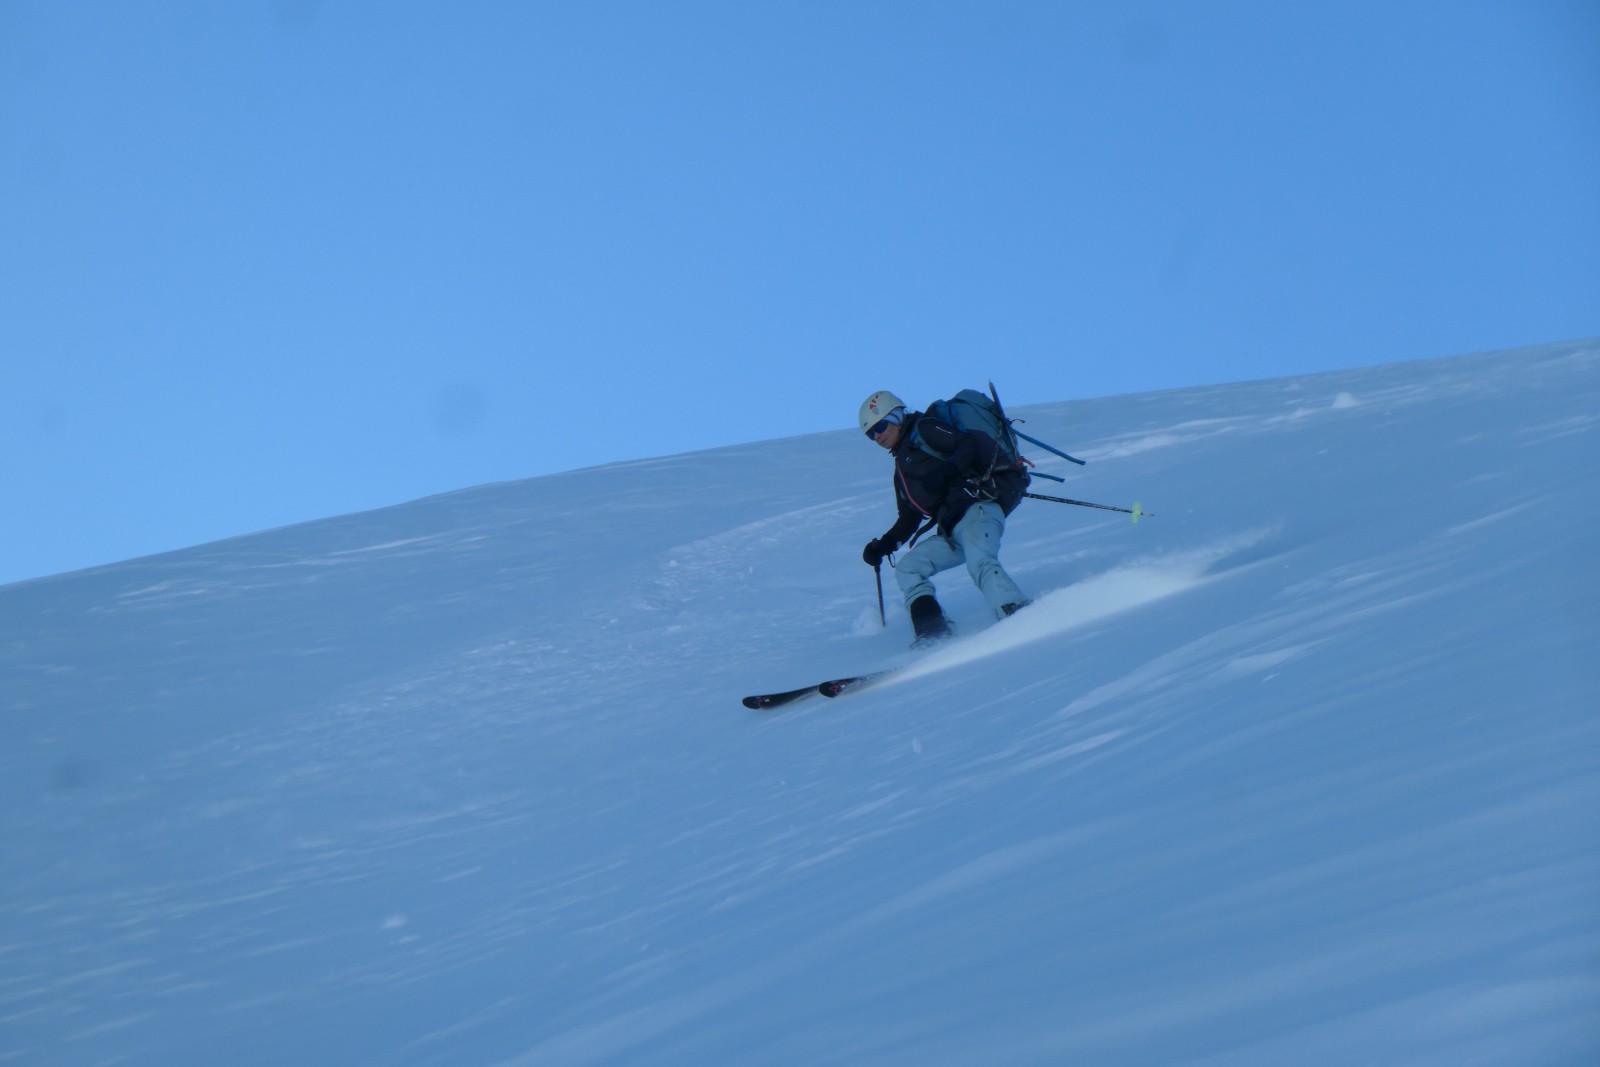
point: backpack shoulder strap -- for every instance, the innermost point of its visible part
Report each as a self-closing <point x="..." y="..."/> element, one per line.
<point x="940" y="411"/>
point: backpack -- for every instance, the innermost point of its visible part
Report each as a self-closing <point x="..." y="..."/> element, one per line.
<point x="977" y="412"/>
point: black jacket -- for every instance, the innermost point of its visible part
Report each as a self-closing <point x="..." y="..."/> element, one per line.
<point x="941" y="487"/>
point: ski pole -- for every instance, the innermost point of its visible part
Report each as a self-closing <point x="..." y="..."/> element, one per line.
<point x="877" y="572"/>
<point x="1136" y="511"/>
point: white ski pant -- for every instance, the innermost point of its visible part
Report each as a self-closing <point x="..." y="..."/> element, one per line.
<point x="975" y="541"/>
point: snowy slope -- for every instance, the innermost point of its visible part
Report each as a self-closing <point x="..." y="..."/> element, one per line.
<point x="1301" y="770"/>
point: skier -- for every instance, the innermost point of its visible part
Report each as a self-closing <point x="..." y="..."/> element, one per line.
<point x="952" y="479"/>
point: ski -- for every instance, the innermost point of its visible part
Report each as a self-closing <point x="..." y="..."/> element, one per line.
<point x="841" y="686"/>
<point x="762" y="701"/>
<point x="832" y="688"/>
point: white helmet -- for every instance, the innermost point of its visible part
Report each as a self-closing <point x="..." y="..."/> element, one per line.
<point x="876" y="407"/>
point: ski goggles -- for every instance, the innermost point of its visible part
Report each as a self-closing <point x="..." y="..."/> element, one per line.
<point x="891" y="419"/>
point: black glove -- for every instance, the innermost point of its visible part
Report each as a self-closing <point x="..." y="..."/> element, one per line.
<point x="949" y="515"/>
<point x="876" y="549"/>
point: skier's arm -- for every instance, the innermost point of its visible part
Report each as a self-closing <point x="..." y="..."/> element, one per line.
<point x="905" y="524"/>
<point x="971" y="453"/>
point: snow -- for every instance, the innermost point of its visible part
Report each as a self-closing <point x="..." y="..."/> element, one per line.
<point x="1302" y="768"/>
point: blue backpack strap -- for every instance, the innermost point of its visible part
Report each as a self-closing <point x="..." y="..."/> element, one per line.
<point x="939" y="409"/>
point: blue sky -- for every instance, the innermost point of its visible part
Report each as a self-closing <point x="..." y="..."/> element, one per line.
<point x="268" y="262"/>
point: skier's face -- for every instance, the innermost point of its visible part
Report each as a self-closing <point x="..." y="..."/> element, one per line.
<point x="889" y="436"/>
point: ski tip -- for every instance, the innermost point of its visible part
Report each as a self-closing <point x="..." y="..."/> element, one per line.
<point x="766" y="701"/>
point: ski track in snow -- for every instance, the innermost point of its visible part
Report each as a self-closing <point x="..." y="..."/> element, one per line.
<point x="1301" y="769"/>
<point x="1081" y="604"/>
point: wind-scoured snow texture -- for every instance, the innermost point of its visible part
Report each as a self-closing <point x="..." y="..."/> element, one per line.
<point x="1304" y="769"/>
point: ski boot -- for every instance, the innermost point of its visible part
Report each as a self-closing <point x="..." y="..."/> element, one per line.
<point x="928" y="620"/>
